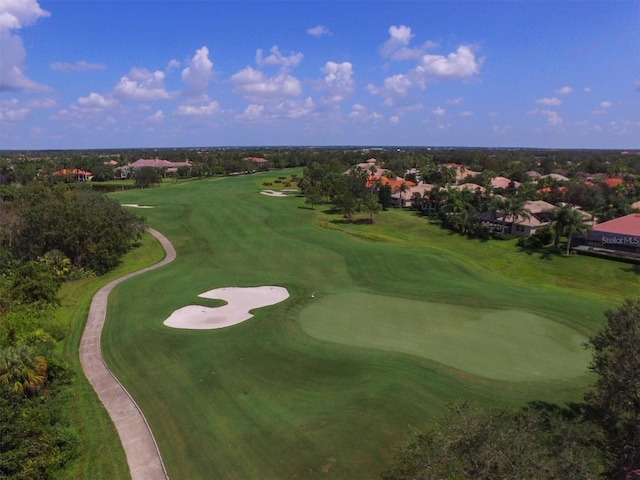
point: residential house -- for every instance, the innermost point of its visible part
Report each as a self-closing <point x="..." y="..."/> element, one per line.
<point x="75" y="174"/>
<point x="620" y="235"/>
<point x="152" y="163"/>
<point x="538" y="214"/>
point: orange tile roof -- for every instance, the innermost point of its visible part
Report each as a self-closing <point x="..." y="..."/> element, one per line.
<point x="627" y="225"/>
<point x="613" y="182"/>
<point x="68" y="171"/>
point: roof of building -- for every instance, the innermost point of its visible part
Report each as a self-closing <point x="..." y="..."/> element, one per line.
<point x="256" y="159"/>
<point x="504" y="182"/>
<point x="69" y="171"/>
<point x="157" y="163"/>
<point x="627" y="225"/>
<point x="538" y="206"/>
<point x="612" y="182"/>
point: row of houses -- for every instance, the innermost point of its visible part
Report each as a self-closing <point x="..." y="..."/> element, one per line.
<point x="614" y="236"/>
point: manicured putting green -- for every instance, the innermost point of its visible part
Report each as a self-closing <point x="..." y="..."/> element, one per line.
<point x="509" y="345"/>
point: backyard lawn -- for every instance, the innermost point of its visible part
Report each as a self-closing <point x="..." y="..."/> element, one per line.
<point x="385" y="324"/>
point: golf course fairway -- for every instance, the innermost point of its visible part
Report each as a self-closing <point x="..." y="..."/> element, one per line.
<point x="385" y="324"/>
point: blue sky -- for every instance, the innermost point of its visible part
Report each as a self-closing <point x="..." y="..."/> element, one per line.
<point x="116" y="74"/>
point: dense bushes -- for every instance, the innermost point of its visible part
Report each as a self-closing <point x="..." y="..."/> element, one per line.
<point x="47" y="235"/>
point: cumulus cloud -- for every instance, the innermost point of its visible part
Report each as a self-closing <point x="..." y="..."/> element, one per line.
<point x="549" y="101"/>
<point x="95" y="101"/>
<point x="198" y="73"/>
<point x="204" y="110"/>
<point x="255" y="84"/>
<point x="156" y="117"/>
<point x="15" y="15"/>
<point x="553" y="119"/>
<point x="466" y="113"/>
<point x="338" y="81"/>
<point x="439" y="111"/>
<point x="566" y="90"/>
<point x="458" y="65"/>
<point x="142" y="85"/>
<point x="12" y="110"/>
<point x="276" y="58"/>
<point x="318" y="31"/>
<point x="605" y="104"/>
<point x="455" y="101"/>
<point x="362" y="113"/>
<point x="79" y="66"/>
<point x="396" y="47"/>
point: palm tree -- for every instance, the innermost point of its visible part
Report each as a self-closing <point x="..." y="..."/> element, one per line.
<point x="575" y="224"/>
<point x="21" y="371"/>
<point x="514" y="208"/>
<point x="561" y="218"/>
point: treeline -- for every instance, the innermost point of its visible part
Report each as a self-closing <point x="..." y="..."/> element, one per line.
<point x="24" y="166"/>
<point x="596" y="439"/>
<point x="47" y="236"/>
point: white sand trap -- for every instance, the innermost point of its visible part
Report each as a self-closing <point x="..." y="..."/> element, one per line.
<point x="239" y="302"/>
<point x="273" y="193"/>
<point x="135" y="205"/>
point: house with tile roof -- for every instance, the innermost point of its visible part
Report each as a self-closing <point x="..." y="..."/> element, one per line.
<point x="620" y="235"/>
<point x="73" y="174"/>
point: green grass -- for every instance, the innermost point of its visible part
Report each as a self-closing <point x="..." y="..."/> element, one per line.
<point x="272" y="398"/>
<point x="101" y="456"/>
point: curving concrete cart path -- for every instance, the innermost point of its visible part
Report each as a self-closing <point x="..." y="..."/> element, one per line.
<point x="143" y="456"/>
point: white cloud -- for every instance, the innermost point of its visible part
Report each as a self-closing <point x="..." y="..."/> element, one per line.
<point x="360" y="112"/>
<point x="198" y="73"/>
<point x="204" y="110"/>
<point x="395" y="119"/>
<point x="12" y="111"/>
<point x="566" y="90"/>
<point x="173" y="63"/>
<point x="318" y="31"/>
<point x="587" y="89"/>
<point x="552" y="101"/>
<point x="79" y="66"/>
<point x="454" y="101"/>
<point x="553" y="119"/>
<point x="95" y="101"/>
<point x="295" y="108"/>
<point x="439" y="111"/>
<point x="142" y="85"/>
<point x="397" y="48"/>
<point x="255" y="84"/>
<point x="459" y="64"/>
<point x="605" y="104"/>
<point x="276" y="58"/>
<point x="156" y="117"/>
<point x="43" y="103"/>
<point x="15" y="15"/>
<point x="253" y="112"/>
<point x="338" y="81"/>
<point x="466" y="113"/>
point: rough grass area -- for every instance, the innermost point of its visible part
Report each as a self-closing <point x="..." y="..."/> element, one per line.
<point x="265" y="399"/>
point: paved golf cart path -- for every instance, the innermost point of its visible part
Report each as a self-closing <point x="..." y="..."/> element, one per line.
<point x="143" y="456"/>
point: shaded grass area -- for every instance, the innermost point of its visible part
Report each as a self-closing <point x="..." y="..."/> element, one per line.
<point x="101" y="456"/>
<point x="264" y="399"/>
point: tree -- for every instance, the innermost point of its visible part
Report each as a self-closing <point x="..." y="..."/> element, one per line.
<point x="384" y="196"/>
<point x="371" y="205"/>
<point x="514" y="208"/>
<point x="540" y="441"/>
<point x="22" y="372"/>
<point x="575" y="224"/>
<point x="615" y="397"/>
<point x="146" y="177"/>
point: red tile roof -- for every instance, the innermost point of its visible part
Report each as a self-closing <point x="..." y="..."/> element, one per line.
<point x="612" y="182"/>
<point x="68" y="171"/>
<point x="627" y="225"/>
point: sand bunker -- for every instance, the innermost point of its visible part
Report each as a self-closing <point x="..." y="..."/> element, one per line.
<point x="239" y="302"/>
<point x="135" y="205"/>
<point x="273" y="193"/>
